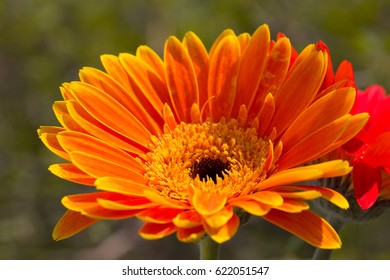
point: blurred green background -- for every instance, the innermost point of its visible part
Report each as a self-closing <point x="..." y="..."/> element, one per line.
<point x="44" y="42"/>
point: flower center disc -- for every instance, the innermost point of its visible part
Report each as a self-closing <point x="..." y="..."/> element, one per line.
<point x="212" y="157"/>
<point x="208" y="168"/>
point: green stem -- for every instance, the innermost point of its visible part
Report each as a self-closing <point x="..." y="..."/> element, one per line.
<point x="209" y="249"/>
<point x="326" y="254"/>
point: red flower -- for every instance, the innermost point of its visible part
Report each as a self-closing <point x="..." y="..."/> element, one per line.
<point x="370" y="149"/>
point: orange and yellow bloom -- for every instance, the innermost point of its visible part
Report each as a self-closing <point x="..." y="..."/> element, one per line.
<point x="188" y="142"/>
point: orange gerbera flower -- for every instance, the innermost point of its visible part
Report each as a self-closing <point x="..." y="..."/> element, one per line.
<point x="189" y="142"/>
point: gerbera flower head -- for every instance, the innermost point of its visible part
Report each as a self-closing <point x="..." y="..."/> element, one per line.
<point x="369" y="151"/>
<point x="187" y="142"/>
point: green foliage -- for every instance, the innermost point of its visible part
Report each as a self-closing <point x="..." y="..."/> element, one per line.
<point x="43" y="43"/>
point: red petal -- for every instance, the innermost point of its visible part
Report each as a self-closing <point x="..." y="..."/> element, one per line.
<point x="345" y="71"/>
<point x="378" y="153"/>
<point x="379" y="122"/>
<point x="368" y="100"/>
<point x="366" y="181"/>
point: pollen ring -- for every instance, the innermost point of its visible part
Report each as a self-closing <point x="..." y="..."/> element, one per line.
<point x="212" y="157"/>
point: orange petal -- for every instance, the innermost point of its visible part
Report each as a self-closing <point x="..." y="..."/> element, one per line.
<point x="190" y="235"/>
<point x="266" y="113"/>
<point x="140" y="70"/>
<point x="329" y="194"/>
<point x="115" y="69"/>
<point x="333" y="87"/>
<point x="126" y="204"/>
<point x="127" y="99"/>
<point x="153" y="231"/>
<point x="304" y="54"/>
<point x="181" y="78"/>
<point x="322" y="112"/>
<point x="357" y="122"/>
<point x="50" y="129"/>
<point x="195" y="114"/>
<point x="200" y="63"/>
<point x="96" y="166"/>
<point x="157" y="198"/>
<point x="268" y="198"/>
<point x="152" y="59"/>
<point x="208" y="203"/>
<point x="110" y="112"/>
<point x="308" y="226"/>
<point x="244" y="39"/>
<point x="71" y="173"/>
<point x="334" y="197"/>
<point x="63" y="116"/>
<point x="102" y="132"/>
<point x="48" y="135"/>
<point x="269" y="161"/>
<point x="169" y="118"/>
<point x="80" y="142"/>
<point x="159" y="215"/>
<point x="224" y="63"/>
<point x="304" y="78"/>
<point x="251" y="206"/>
<point x="225" y="232"/>
<point x="66" y="92"/>
<point x="88" y="205"/>
<point x="252" y="65"/>
<point x="333" y="168"/>
<point x="306" y="173"/>
<point x="220" y="218"/>
<point x="187" y="219"/>
<point x="105" y="83"/>
<point x="70" y="224"/>
<point x="313" y="146"/>
<point x="274" y="74"/>
<point x="293" y="206"/>
<point x="136" y="77"/>
<point x="289" y="177"/>
<point x="293" y="193"/>
<point x="217" y="42"/>
<point x="149" y="88"/>
<point x="118" y="185"/>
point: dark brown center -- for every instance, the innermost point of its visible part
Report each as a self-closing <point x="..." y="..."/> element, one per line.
<point x="209" y="168"/>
